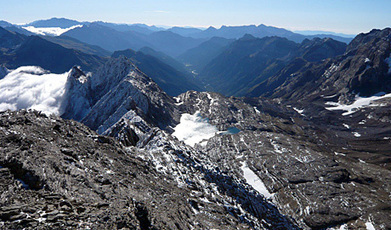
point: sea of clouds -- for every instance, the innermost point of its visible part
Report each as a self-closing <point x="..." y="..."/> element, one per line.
<point x="32" y="87"/>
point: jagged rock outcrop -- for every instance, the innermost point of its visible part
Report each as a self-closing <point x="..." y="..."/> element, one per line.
<point x="78" y="96"/>
<point x="119" y="87"/>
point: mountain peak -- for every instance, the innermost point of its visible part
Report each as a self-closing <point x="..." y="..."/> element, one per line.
<point x="76" y="72"/>
<point x="55" y="22"/>
<point x="247" y="37"/>
<point x="211" y="28"/>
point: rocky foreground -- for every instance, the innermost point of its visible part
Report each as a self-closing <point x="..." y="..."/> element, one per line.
<point x="58" y="173"/>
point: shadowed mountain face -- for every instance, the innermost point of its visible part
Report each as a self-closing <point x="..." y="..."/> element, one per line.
<point x="201" y="55"/>
<point x="260" y="32"/>
<point x="165" y="58"/>
<point x="55" y="22"/>
<point x="186" y="32"/>
<point x="169" y="79"/>
<point x="112" y="40"/>
<point x="362" y="69"/>
<point x="9" y="39"/>
<point x="12" y="28"/>
<point x="139" y="28"/>
<point x="107" y="38"/>
<point x="72" y="43"/>
<point x="250" y="61"/>
<point x="40" y="52"/>
<point x="171" y="43"/>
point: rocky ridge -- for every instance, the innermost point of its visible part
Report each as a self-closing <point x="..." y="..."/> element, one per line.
<point x="361" y="69"/>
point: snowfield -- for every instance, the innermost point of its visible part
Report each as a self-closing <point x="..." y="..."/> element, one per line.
<point x="52" y="31"/>
<point x="360" y="102"/>
<point x="253" y="180"/>
<point x="32" y="87"/>
<point x="194" y="129"/>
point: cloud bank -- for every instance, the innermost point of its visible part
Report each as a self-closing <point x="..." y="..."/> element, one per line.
<point x="31" y="87"/>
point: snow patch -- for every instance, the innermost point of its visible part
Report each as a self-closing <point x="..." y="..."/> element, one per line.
<point x="52" y="31"/>
<point x="328" y="97"/>
<point x="31" y="87"/>
<point x="369" y="226"/>
<point x="255" y="181"/>
<point x="178" y="101"/>
<point x="342" y="227"/>
<point x="212" y="102"/>
<point x="194" y="129"/>
<point x="359" y="102"/>
<point x="300" y="111"/>
<point x="330" y="70"/>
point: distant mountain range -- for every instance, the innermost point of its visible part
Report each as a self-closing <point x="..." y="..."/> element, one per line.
<point x="20" y="50"/>
<point x="235" y="32"/>
<point x="362" y="69"/>
<point x="249" y="61"/>
<point x="316" y="32"/>
<point x="233" y="60"/>
<point x="201" y="55"/>
<point x="174" y="41"/>
<point x="112" y="40"/>
<point x="55" y="22"/>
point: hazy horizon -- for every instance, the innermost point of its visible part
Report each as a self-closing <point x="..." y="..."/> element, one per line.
<point x="303" y="31"/>
<point x="343" y="16"/>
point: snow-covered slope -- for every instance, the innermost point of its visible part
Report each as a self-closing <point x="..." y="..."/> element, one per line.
<point x="359" y="103"/>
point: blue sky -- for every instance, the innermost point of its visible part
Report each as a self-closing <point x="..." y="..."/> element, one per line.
<point x="345" y="16"/>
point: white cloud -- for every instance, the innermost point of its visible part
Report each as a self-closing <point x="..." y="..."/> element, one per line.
<point x="32" y="87"/>
<point x="52" y="31"/>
